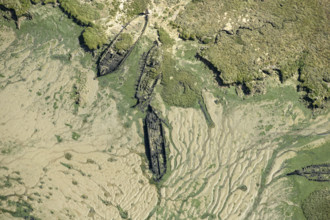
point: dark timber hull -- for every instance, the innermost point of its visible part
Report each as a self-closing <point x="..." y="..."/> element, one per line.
<point x="155" y="144"/>
<point x="320" y="173"/>
<point x="150" y="75"/>
<point x="111" y="60"/>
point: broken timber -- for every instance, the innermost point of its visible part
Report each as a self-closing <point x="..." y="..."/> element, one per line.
<point x="150" y="74"/>
<point x="155" y="144"/>
<point x="320" y="173"/>
<point x="111" y="59"/>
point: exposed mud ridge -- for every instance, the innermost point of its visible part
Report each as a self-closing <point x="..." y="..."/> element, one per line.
<point x="150" y="74"/>
<point x="242" y="85"/>
<point x="111" y="59"/>
<point x="320" y="173"/>
<point x="11" y="15"/>
<point x="155" y="144"/>
<point x="214" y="70"/>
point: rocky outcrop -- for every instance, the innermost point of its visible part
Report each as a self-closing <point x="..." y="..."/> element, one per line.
<point x="150" y="75"/>
<point x="112" y="58"/>
<point x="155" y="144"/>
<point x="320" y="173"/>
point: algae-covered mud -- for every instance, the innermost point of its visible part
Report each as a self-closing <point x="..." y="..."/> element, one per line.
<point x="154" y="109"/>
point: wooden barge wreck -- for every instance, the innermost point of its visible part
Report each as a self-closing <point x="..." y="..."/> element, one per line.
<point x="155" y="144"/>
<point x="150" y="75"/>
<point x="112" y="57"/>
<point x="319" y="173"/>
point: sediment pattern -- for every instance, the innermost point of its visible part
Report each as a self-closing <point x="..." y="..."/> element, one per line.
<point x="70" y="148"/>
<point x="216" y="172"/>
<point x="59" y="160"/>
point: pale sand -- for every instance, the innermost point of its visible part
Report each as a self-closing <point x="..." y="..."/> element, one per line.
<point x="208" y="165"/>
<point x="225" y="157"/>
<point x="29" y="123"/>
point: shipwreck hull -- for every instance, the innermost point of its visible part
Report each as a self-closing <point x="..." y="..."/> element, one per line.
<point x="110" y="60"/>
<point x="319" y="173"/>
<point x="110" y="63"/>
<point x="155" y="144"/>
<point x="150" y="75"/>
